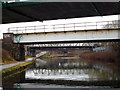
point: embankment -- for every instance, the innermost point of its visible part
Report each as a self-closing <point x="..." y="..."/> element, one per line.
<point x="14" y="74"/>
<point x="102" y="56"/>
<point x="7" y="58"/>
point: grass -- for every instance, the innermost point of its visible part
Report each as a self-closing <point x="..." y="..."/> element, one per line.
<point x="47" y="56"/>
<point x="6" y="57"/>
<point x="26" y="57"/>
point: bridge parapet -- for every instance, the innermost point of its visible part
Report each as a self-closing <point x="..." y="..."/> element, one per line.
<point x="66" y="27"/>
<point x="87" y="31"/>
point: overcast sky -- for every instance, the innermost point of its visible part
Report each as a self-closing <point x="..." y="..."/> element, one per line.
<point x="4" y="27"/>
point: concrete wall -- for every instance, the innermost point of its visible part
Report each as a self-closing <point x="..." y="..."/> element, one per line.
<point x="67" y="36"/>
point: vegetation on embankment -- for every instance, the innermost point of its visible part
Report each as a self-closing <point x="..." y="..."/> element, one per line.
<point x="104" y="56"/>
<point x="66" y="53"/>
<point x="15" y="69"/>
<point x="47" y="55"/>
<point x="14" y="74"/>
<point x="26" y="57"/>
<point x="6" y="57"/>
<point x="0" y="56"/>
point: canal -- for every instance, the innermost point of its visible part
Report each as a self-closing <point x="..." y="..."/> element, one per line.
<point x="71" y="72"/>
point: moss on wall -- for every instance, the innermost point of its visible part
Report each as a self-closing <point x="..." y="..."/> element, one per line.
<point x="15" y="69"/>
<point x="14" y="74"/>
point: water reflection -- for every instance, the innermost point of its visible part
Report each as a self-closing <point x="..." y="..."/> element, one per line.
<point x="70" y="68"/>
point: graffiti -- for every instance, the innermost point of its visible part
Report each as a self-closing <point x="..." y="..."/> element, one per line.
<point x="18" y="38"/>
<point x="6" y="35"/>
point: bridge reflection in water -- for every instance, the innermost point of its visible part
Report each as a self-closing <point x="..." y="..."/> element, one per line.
<point x="70" y="72"/>
<point x="70" y="68"/>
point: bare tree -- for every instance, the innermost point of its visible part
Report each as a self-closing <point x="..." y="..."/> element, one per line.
<point x="112" y="24"/>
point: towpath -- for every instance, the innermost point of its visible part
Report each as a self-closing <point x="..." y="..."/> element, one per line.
<point x="18" y="63"/>
<point x="10" y="65"/>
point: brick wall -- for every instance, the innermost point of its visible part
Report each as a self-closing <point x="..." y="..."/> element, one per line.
<point x="15" y="50"/>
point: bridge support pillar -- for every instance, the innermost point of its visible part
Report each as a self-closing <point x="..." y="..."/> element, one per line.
<point x="22" y="53"/>
<point x="17" y="51"/>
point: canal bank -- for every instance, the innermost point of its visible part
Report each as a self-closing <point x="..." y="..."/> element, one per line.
<point x="73" y="83"/>
<point x="70" y="72"/>
<point x="14" y="74"/>
<point x="62" y="71"/>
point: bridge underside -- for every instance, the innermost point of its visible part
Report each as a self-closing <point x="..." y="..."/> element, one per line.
<point x="68" y="37"/>
<point x="61" y="47"/>
<point x="40" y="11"/>
<point x="79" y="41"/>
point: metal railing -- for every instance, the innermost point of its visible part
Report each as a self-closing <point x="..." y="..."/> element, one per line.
<point x="66" y="27"/>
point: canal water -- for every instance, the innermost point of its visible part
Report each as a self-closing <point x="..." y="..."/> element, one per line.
<point x="46" y="71"/>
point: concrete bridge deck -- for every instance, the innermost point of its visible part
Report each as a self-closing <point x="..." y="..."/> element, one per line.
<point x="79" y="36"/>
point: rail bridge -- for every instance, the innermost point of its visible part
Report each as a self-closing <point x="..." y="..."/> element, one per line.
<point x="71" y="35"/>
<point x="67" y="33"/>
<point x="61" y="33"/>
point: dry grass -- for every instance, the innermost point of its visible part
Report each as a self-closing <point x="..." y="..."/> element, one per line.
<point x="6" y="57"/>
<point x="106" y="56"/>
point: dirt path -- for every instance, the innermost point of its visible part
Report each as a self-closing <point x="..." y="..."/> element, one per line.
<point x="10" y="65"/>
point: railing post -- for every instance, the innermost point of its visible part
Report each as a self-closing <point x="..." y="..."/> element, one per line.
<point x="44" y="28"/>
<point x="85" y="25"/>
<point x="53" y="27"/>
<point x="118" y="23"/>
<point x="25" y="29"/>
<point x="74" y="26"/>
<point x="96" y="25"/>
<point x="64" y="27"/>
<point x="108" y="25"/>
<point x="34" y="28"/>
<point x="16" y="29"/>
<point x="8" y="30"/>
